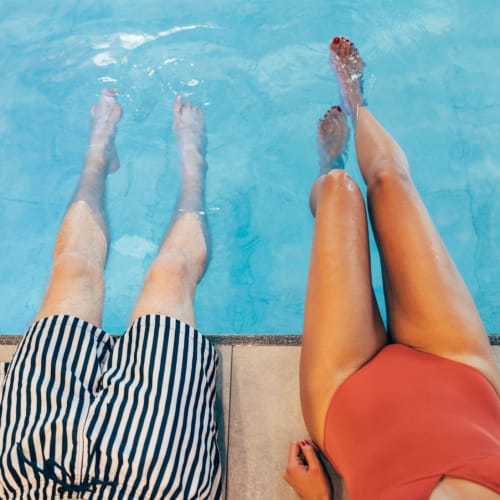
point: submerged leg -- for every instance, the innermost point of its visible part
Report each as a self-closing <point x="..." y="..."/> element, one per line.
<point x="170" y="285"/>
<point x="428" y="304"/>
<point x="342" y="325"/>
<point x="77" y="281"/>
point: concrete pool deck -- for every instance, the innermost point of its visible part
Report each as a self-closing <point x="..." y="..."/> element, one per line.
<point x="258" y="409"/>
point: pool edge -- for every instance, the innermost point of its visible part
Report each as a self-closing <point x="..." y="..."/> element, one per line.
<point x="241" y="339"/>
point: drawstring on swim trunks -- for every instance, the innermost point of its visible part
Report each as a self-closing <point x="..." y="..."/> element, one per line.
<point x="67" y="483"/>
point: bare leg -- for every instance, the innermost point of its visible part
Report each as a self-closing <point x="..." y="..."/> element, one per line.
<point x="77" y="282"/>
<point x="342" y="325"/>
<point x="429" y="305"/>
<point x="170" y="285"/>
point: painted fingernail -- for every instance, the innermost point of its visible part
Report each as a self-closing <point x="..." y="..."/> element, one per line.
<point x="303" y="443"/>
<point x="336" y="39"/>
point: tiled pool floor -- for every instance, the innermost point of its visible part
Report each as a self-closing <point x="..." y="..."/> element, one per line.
<point x="259" y="412"/>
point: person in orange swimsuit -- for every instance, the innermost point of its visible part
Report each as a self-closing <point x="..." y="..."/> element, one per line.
<point x="413" y="412"/>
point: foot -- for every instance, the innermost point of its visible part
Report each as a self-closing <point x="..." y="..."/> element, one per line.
<point x="189" y="127"/>
<point x="348" y="67"/>
<point x="105" y="115"/>
<point x="333" y="134"/>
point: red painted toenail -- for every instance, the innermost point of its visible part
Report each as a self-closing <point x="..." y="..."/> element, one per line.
<point x="336" y="39"/>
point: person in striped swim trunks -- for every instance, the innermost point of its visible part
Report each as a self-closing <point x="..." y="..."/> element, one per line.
<point x="87" y="415"/>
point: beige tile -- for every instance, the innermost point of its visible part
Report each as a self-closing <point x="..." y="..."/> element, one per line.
<point x="6" y="352"/>
<point x="265" y="417"/>
<point x="222" y="403"/>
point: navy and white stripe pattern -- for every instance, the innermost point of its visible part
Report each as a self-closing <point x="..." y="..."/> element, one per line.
<point x="85" y="415"/>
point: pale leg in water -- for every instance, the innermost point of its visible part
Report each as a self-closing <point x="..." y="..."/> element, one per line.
<point x="77" y="282"/>
<point x="170" y="285"/>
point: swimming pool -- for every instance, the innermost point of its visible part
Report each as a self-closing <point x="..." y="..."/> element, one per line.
<point x="260" y="70"/>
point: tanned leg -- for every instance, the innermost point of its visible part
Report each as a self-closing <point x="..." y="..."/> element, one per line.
<point x="428" y="304"/>
<point x="342" y="325"/>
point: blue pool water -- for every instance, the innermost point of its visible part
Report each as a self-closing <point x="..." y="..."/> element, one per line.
<point x="260" y="71"/>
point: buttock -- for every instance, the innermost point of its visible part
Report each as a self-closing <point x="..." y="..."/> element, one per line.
<point x="87" y="415"/>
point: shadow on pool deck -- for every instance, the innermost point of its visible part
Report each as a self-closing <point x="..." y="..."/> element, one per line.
<point x="258" y="410"/>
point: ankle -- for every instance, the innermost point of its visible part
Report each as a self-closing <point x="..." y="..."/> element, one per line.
<point x="192" y="139"/>
<point x="95" y="159"/>
<point x="193" y="164"/>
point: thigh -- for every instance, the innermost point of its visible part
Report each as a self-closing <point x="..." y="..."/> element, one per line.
<point x="342" y="325"/>
<point x="76" y="284"/>
<point x="167" y="291"/>
<point x="76" y="288"/>
<point x="153" y="430"/>
<point x="429" y="305"/>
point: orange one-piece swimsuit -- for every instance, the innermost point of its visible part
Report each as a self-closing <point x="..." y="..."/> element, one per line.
<point x="406" y="419"/>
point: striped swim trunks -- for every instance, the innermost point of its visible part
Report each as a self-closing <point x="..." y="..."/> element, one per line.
<point x="87" y="415"/>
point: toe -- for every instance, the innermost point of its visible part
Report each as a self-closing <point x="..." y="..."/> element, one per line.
<point x="330" y="117"/>
<point x="109" y="92"/>
<point x="347" y="47"/>
<point x="335" y="45"/>
<point x="342" y="47"/>
<point x="178" y="104"/>
<point x="334" y="111"/>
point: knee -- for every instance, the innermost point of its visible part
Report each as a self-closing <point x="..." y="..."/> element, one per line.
<point x="337" y="183"/>
<point x="338" y="180"/>
<point x="387" y="178"/>
<point x="172" y="268"/>
<point x="75" y="268"/>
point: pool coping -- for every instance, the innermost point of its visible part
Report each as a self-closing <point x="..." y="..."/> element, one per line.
<point x="237" y="339"/>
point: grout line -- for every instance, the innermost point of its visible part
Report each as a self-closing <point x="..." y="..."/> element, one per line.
<point x="229" y="421"/>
